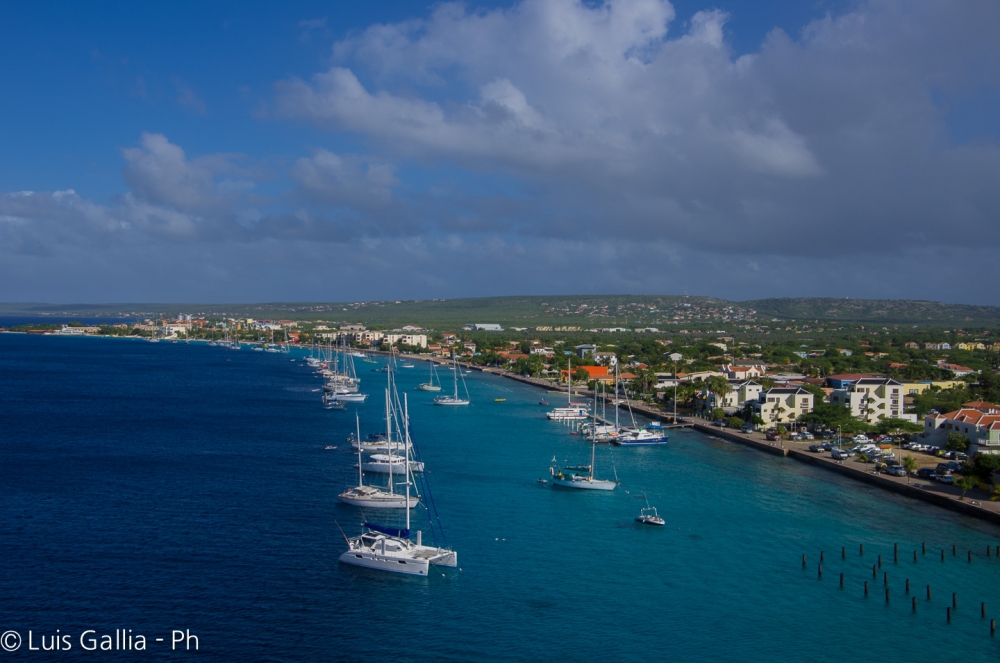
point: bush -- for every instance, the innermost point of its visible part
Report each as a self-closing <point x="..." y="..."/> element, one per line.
<point x="957" y="442"/>
<point x="734" y="422"/>
<point x="982" y="465"/>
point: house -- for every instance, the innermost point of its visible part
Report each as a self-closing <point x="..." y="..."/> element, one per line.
<point x="416" y="340"/>
<point x="914" y="387"/>
<point x="970" y="346"/>
<point x="539" y="350"/>
<point x="895" y="366"/>
<point x="980" y="423"/>
<point x="930" y="345"/>
<point x="844" y="380"/>
<point x="66" y="329"/>
<point x="871" y="399"/>
<point x="410" y="329"/>
<point x="586" y="349"/>
<point x="844" y="352"/>
<point x="598" y="373"/>
<point x="782" y="405"/>
<point x="910" y="345"/>
<point x="604" y="357"/>
<point x="740" y="392"/>
<point x="479" y="326"/>
<point x="958" y="370"/>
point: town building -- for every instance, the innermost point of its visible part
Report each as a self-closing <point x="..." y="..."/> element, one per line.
<point x="740" y="393"/>
<point x="979" y="421"/>
<point x="415" y="340"/>
<point x="872" y="399"/>
<point x="782" y="405"/>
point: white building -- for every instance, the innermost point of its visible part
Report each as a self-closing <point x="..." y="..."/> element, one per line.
<point x="416" y="340"/>
<point x="783" y="405"/>
<point x="872" y="399"/>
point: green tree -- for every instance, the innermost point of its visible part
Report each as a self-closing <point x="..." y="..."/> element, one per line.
<point x="957" y="442"/>
<point x="863" y="457"/>
<point x="719" y="386"/>
<point x="966" y="483"/>
<point x="734" y="422"/>
<point x="911" y="465"/>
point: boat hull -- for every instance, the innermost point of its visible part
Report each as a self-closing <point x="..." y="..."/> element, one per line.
<point x="394" y="502"/>
<point x="584" y="484"/>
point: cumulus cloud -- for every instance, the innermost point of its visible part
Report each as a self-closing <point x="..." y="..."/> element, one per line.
<point x="613" y="113"/>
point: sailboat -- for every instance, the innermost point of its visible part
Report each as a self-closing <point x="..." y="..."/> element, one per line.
<point x="567" y="477"/>
<point x="390" y="549"/>
<point x="434" y="384"/>
<point x="453" y="400"/>
<point x="572" y="411"/>
<point x="370" y="496"/>
<point x="634" y="436"/>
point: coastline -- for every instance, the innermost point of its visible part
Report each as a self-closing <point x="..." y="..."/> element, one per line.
<point x="977" y="505"/>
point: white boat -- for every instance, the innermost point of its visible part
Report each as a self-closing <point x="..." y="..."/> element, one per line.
<point x="567" y="477"/>
<point x="389" y="549"/>
<point x="572" y="411"/>
<point x="434" y="384"/>
<point x="453" y="400"/>
<point x="390" y="463"/>
<point x="648" y="516"/>
<point x="345" y="398"/>
<point x="638" y="437"/>
<point x="370" y="496"/>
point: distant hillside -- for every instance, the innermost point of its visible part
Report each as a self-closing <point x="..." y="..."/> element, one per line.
<point x="668" y="312"/>
<point x="876" y="310"/>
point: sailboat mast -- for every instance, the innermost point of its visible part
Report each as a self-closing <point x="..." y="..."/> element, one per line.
<point x="406" y="457"/>
<point x="455" y="356"/>
<point x="388" y="438"/>
<point x="357" y="421"/>
<point x="569" y="382"/>
<point x="593" y="455"/>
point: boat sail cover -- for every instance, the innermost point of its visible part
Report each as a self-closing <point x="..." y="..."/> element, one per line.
<point x="391" y="531"/>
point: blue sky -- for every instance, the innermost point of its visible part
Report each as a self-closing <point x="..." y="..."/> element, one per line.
<point x="327" y="151"/>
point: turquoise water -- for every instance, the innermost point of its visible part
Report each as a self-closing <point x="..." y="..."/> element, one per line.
<point x="159" y="486"/>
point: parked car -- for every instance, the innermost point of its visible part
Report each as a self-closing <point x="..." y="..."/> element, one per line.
<point x="771" y="437"/>
<point x="816" y="448"/>
<point x="840" y="454"/>
<point x="896" y="471"/>
<point x="720" y="423"/>
<point x="746" y="429"/>
<point x="927" y="473"/>
<point x="808" y="436"/>
<point x="942" y="468"/>
<point x="892" y="463"/>
<point x="946" y="478"/>
<point x="961" y="456"/>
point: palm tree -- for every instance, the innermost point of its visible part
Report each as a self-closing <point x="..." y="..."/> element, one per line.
<point x="719" y="386"/>
<point x="863" y="457"/>
<point x="910" y="464"/>
<point x="967" y="482"/>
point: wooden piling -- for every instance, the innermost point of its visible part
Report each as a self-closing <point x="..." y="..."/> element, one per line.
<point x="914" y="556"/>
<point x="954" y="600"/>
<point x="841" y="580"/>
<point x="822" y="556"/>
<point x="843" y="552"/>
<point x="949" y="615"/>
<point x="803" y="561"/>
<point x="820" y="571"/>
<point x="895" y="557"/>
<point x="880" y="561"/>
<point x="928" y="592"/>
<point x="862" y="549"/>
<point x="907" y="585"/>
<point x="895" y="548"/>
<point x="914" y="604"/>
<point x="885" y="578"/>
<point x="954" y="550"/>
<point x="987" y="551"/>
<point x="993" y="626"/>
<point x="887" y="596"/>
<point x="923" y="547"/>
<point x="942" y="554"/>
<point x="982" y="609"/>
<point x="970" y="557"/>
<point x="874" y="572"/>
<point x="866" y="588"/>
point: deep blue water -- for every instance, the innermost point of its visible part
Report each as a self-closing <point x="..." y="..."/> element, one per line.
<point x="161" y="486"/>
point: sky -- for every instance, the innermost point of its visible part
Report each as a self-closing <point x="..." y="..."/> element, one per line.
<point x="244" y="152"/>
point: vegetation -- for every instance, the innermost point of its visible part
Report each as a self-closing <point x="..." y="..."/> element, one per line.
<point x="965" y="484"/>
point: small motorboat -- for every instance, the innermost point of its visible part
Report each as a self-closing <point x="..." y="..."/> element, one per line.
<point x="330" y="446"/>
<point x="499" y="400"/>
<point x="648" y="516"/>
<point x="543" y="402"/>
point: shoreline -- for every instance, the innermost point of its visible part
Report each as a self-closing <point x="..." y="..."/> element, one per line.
<point x="977" y="505"/>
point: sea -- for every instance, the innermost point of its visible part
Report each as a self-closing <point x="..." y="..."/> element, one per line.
<point x="162" y="488"/>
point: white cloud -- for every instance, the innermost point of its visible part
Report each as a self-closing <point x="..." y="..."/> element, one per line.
<point x="610" y="113"/>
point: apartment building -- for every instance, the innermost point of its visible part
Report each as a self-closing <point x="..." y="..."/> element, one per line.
<point x="871" y="399"/>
